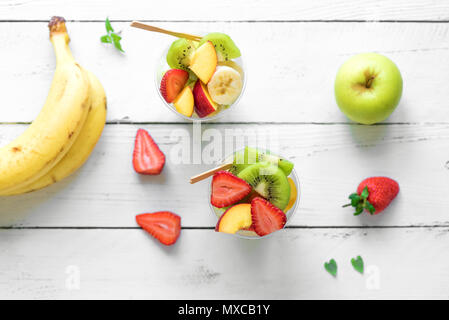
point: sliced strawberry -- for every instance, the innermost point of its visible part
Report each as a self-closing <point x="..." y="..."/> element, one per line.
<point x="147" y="157"/>
<point x="228" y="189"/>
<point x="165" y="226"/>
<point x="172" y="83"/>
<point x="266" y="217"/>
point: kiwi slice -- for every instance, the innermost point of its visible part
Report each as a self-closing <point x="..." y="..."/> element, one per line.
<point x="284" y="164"/>
<point x="225" y="47"/>
<point x="269" y="181"/>
<point x="243" y="159"/>
<point x="180" y="53"/>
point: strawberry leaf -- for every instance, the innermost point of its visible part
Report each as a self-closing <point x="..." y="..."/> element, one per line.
<point x="365" y="193"/>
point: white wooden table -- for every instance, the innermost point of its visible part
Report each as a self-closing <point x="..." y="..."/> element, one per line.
<point x="84" y="228"/>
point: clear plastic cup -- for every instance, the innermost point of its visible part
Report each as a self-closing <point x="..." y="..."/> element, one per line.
<point x="246" y="234"/>
<point x="162" y="67"/>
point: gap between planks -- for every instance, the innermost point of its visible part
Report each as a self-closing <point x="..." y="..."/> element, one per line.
<point x="235" y="21"/>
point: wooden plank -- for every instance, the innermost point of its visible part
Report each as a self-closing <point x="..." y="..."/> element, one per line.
<point x="128" y="264"/>
<point x="228" y="10"/>
<point x="330" y="161"/>
<point x="290" y="67"/>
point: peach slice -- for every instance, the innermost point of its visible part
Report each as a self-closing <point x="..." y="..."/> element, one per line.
<point x="204" y="61"/>
<point x="293" y="194"/>
<point x="203" y="102"/>
<point x="235" y="218"/>
<point x="184" y="102"/>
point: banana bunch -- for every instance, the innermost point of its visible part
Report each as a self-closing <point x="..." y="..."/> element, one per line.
<point x="65" y="132"/>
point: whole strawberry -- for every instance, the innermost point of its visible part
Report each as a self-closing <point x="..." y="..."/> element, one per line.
<point x="373" y="195"/>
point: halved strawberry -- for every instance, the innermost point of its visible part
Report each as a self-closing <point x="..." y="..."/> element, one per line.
<point x="266" y="217"/>
<point x="228" y="189"/>
<point x="147" y="157"/>
<point x="172" y="83"/>
<point x="165" y="226"/>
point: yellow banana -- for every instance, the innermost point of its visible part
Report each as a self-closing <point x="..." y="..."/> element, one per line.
<point x="47" y="140"/>
<point x="84" y="144"/>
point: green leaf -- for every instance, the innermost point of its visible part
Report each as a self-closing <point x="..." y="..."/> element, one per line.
<point x="331" y="267"/>
<point x="355" y="200"/>
<point x="116" y="39"/>
<point x="106" y="39"/>
<point x="359" y="210"/>
<point x="370" y="207"/>
<point x="357" y="264"/>
<point x="108" y="25"/>
<point x="365" y="193"/>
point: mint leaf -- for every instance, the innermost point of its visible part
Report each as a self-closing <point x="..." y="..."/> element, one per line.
<point x="111" y="36"/>
<point x="331" y="267"/>
<point x="108" y="25"/>
<point x="357" y="263"/>
<point x="106" y="39"/>
<point x="116" y="39"/>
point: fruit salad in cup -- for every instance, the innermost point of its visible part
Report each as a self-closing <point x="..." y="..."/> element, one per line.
<point x="201" y="79"/>
<point x="256" y="196"/>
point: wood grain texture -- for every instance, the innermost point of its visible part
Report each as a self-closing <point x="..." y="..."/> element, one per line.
<point x="128" y="264"/>
<point x="202" y="10"/>
<point x="290" y="67"/>
<point x="330" y="161"/>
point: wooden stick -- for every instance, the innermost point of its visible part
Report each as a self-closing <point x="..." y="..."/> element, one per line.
<point x="140" y="25"/>
<point x="209" y="173"/>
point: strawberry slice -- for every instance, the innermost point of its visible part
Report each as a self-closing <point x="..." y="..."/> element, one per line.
<point x="172" y="83"/>
<point x="266" y="217"/>
<point x="165" y="226"/>
<point x="228" y="189"/>
<point x="147" y="157"/>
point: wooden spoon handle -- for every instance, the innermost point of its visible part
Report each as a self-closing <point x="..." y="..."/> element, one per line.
<point x="209" y="173"/>
<point x="140" y="25"/>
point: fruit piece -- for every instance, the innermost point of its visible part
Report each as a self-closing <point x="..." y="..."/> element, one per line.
<point x="204" y="62"/>
<point x="242" y="159"/>
<point x="165" y="226"/>
<point x="180" y="54"/>
<point x="293" y="194"/>
<point x="269" y="181"/>
<point x="50" y="136"/>
<point x="235" y="218"/>
<point x="83" y="145"/>
<point x="266" y="217"/>
<point x="184" y="102"/>
<point x="228" y="189"/>
<point x="225" y="47"/>
<point x="172" y="83"/>
<point x="233" y="65"/>
<point x="147" y="157"/>
<point x="203" y="102"/>
<point x="284" y="164"/>
<point x="374" y="194"/>
<point x="368" y="88"/>
<point x="253" y="155"/>
<point x="225" y="85"/>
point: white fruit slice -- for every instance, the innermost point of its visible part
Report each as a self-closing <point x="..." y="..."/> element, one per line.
<point x="225" y="85"/>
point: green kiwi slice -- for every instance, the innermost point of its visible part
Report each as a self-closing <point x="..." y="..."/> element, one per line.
<point x="284" y="164"/>
<point x="269" y="181"/>
<point x="179" y="54"/>
<point x="225" y="47"/>
<point x="243" y="159"/>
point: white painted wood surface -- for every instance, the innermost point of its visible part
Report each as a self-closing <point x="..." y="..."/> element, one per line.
<point x="292" y="52"/>
<point x="290" y="71"/>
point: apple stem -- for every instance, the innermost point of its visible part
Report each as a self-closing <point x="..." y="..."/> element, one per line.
<point x="369" y="82"/>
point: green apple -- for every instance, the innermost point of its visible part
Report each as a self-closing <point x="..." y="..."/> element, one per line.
<point x="368" y="88"/>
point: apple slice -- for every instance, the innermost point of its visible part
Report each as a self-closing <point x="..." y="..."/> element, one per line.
<point x="203" y="102"/>
<point x="235" y="218"/>
<point x="184" y="102"/>
<point x="204" y="61"/>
